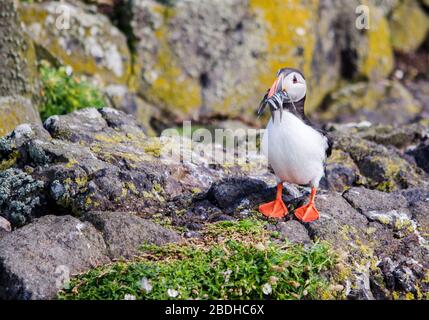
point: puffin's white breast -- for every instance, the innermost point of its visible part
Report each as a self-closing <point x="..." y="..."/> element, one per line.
<point x="295" y="150"/>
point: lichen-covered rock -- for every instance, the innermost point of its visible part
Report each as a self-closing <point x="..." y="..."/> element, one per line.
<point x="101" y="160"/>
<point x="375" y="52"/>
<point x="409" y="26"/>
<point x="386" y="102"/>
<point x="361" y="161"/>
<point x="219" y="57"/>
<point x="77" y="36"/>
<point x="130" y="103"/>
<point x="421" y="154"/>
<point x="37" y="260"/>
<point x="19" y="83"/>
<point x="420" y="91"/>
<point x="20" y="196"/>
<point x="337" y="218"/>
<point x="15" y="110"/>
<point x="340" y="172"/>
<point x="388" y="209"/>
<point x="124" y="233"/>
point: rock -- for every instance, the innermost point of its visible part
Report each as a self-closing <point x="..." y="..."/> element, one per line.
<point x="222" y="55"/>
<point x="5" y="225"/>
<point x="366" y="200"/>
<point x="388" y="209"/>
<point x="230" y="192"/>
<point x="294" y="231"/>
<point x="380" y="167"/>
<point x="375" y="50"/>
<point x="340" y="172"/>
<point x="338" y="220"/>
<point x="19" y="82"/>
<point x="20" y="196"/>
<point x="397" y="136"/>
<point x="37" y="260"/>
<point x="409" y="25"/>
<point x="420" y="91"/>
<point x="128" y="102"/>
<point x="124" y="233"/>
<point x="16" y="110"/>
<point x="381" y="102"/>
<point x="101" y="160"/>
<point x="421" y="154"/>
<point x="88" y="42"/>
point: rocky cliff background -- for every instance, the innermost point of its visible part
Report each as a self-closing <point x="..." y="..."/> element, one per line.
<point x="86" y="88"/>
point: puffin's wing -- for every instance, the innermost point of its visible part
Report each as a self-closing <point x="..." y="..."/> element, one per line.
<point x="330" y="143"/>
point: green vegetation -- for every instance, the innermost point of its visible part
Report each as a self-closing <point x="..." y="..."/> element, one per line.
<point x="64" y="93"/>
<point x="235" y="260"/>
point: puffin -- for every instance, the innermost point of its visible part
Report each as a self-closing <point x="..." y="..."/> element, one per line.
<point x="296" y="150"/>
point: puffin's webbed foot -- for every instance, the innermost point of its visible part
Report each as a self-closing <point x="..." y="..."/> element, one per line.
<point x="276" y="208"/>
<point x="308" y="212"/>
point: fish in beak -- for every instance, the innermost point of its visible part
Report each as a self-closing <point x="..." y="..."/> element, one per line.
<point x="275" y="97"/>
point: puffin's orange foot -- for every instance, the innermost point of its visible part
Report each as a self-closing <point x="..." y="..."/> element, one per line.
<point x="307" y="213"/>
<point x="274" y="209"/>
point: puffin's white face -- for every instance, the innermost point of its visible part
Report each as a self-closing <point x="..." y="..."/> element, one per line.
<point x="294" y="84"/>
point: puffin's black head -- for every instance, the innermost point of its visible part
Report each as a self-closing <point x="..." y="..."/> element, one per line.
<point x="289" y="87"/>
<point x="292" y="82"/>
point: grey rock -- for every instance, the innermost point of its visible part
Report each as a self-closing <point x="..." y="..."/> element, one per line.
<point x="231" y="191"/>
<point x="81" y="125"/>
<point x="5" y="225"/>
<point x="124" y="233"/>
<point x="366" y="200"/>
<point x="390" y="103"/>
<point x="421" y="154"/>
<point x="336" y="217"/>
<point x="36" y="259"/>
<point x="294" y="231"/>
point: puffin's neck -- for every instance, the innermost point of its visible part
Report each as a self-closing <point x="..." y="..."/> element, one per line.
<point x="296" y="108"/>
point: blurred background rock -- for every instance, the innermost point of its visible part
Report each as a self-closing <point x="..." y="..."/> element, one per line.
<point x="168" y="60"/>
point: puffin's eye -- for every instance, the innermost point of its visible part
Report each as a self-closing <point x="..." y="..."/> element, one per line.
<point x="295" y="80"/>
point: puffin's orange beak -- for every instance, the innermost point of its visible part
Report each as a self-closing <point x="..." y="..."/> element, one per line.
<point x="277" y="86"/>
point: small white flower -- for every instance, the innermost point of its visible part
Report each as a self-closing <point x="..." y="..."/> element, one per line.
<point x="129" y="297"/>
<point x="145" y="285"/>
<point x="172" y="293"/>
<point x="227" y="274"/>
<point x="267" y="289"/>
<point x="69" y="70"/>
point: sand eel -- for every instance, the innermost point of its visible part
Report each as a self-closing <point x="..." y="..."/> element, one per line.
<point x="295" y="149"/>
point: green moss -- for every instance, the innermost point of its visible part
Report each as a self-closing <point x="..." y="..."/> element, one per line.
<point x="63" y="93"/>
<point x="228" y="269"/>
